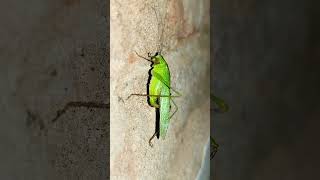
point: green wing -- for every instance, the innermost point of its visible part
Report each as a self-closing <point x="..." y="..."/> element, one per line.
<point x="158" y="76"/>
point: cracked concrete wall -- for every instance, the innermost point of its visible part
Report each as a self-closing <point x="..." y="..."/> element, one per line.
<point x="137" y="25"/>
<point x="53" y="52"/>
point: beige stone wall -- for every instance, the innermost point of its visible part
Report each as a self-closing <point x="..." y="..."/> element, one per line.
<point x="134" y="26"/>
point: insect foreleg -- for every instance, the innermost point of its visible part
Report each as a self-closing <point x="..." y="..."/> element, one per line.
<point x="144" y="57"/>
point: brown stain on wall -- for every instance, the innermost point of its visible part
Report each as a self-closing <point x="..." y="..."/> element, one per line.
<point x="175" y="12"/>
<point x="132" y="58"/>
<point x="183" y="29"/>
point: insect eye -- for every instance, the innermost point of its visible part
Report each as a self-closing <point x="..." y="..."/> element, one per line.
<point x="156" y="61"/>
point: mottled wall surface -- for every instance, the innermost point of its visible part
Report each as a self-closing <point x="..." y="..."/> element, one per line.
<point x="266" y="66"/>
<point x="137" y="25"/>
<point x="53" y="52"/>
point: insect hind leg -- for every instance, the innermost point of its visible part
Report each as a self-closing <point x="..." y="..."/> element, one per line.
<point x="175" y="110"/>
<point x="154" y="135"/>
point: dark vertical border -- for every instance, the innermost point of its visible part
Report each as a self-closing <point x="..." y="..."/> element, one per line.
<point x="108" y="80"/>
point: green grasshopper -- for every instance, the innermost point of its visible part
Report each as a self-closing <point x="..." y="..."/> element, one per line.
<point x="159" y="92"/>
<point x="222" y="107"/>
<point x="159" y="89"/>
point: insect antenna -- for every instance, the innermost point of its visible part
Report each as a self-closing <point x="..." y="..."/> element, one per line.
<point x="160" y="27"/>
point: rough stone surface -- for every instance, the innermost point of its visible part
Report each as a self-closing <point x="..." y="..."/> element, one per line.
<point x="137" y="26"/>
<point x="53" y="52"/>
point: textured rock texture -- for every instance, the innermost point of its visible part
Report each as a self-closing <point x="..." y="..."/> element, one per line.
<point x="53" y="52"/>
<point x="137" y="25"/>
